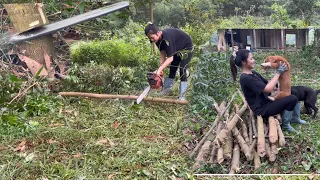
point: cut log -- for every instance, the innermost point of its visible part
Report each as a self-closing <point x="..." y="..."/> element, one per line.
<point x="274" y="152"/>
<point x="254" y="124"/>
<point x="220" y="138"/>
<point x="257" y="161"/>
<point x="203" y="154"/>
<point x="273" y="131"/>
<point x="214" y="149"/>
<point x="235" y="165"/>
<point x="282" y="140"/>
<point x="250" y="131"/>
<point x="261" y="138"/>
<point x="216" y="121"/>
<point x="244" y="131"/>
<point x="227" y="148"/>
<point x="220" y="158"/>
<point x="116" y="96"/>
<point x="242" y="143"/>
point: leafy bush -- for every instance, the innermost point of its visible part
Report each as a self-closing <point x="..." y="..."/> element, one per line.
<point x="113" y="52"/>
<point x="104" y="78"/>
<point x="36" y="102"/>
<point x="199" y="34"/>
<point x="211" y="81"/>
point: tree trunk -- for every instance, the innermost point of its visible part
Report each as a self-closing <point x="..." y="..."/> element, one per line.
<point x="25" y="17"/>
<point x="151" y="10"/>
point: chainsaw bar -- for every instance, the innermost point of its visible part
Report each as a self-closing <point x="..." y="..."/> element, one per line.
<point x="143" y="94"/>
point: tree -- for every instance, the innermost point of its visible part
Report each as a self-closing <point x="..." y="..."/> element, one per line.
<point x="279" y="16"/>
<point x="170" y="13"/>
<point x="236" y="7"/>
<point x="304" y="9"/>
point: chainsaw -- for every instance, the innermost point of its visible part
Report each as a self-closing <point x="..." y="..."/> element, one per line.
<point x="155" y="82"/>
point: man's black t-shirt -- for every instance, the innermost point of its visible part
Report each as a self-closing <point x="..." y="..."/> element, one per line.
<point x="174" y="40"/>
<point x="252" y="86"/>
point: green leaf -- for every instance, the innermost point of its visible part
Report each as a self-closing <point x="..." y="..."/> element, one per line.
<point x="39" y="71"/>
<point x="29" y="157"/>
<point x="146" y="172"/>
<point x="11" y="119"/>
<point x="81" y="7"/>
<point x="306" y="166"/>
<point x="13" y="78"/>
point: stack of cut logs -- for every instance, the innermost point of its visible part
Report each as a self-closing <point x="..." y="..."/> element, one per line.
<point x="236" y="132"/>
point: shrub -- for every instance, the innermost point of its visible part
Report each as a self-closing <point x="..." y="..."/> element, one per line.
<point x="112" y="52"/>
<point x="104" y="78"/>
<point x="35" y="103"/>
<point x="211" y="81"/>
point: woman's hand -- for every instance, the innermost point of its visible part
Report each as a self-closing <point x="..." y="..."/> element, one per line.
<point x="282" y="68"/>
<point x="157" y="72"/>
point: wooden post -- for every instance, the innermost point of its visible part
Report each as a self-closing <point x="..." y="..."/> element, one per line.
<point x="307" y="36"/>
<point x="25" y="17"/>
<point x="232" y="44"/>
<point x="254" y="39"/>
<point x="283" y="41"/>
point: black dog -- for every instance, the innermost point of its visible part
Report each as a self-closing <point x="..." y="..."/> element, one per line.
<point x="308" y="96"/>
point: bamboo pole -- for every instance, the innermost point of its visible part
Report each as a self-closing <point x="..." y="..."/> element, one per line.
<point x="116" y="96"/>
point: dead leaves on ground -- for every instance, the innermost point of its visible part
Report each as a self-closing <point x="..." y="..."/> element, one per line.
<point x="22" y="146"/>
<point x="79" y="155"/>
<point x="72" y="112"/>
<point x="115" y="125"/>
<point x="56" y="125"/>
<point x="111" y="176"/>
<point x="105" y="142"/>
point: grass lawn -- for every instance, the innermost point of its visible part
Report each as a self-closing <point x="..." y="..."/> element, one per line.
<point x="117" y="139"/>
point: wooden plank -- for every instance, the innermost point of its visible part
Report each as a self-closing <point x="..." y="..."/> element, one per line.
<point x="254" y="39"/>
<point x="283" y="43"/>
<point x="50" y="28"/>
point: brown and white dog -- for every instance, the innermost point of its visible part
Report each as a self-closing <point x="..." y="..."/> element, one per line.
<point x="284" y="79"/>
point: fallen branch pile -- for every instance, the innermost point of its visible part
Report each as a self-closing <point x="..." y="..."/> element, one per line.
<point x="236" y="133"/>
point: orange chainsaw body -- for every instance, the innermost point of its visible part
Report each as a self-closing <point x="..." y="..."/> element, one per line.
<point x="155" y="81"/>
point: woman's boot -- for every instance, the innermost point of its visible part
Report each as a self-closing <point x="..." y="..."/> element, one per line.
<point x="286" y="118"/>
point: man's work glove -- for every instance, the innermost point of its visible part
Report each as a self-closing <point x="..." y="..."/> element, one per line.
<point x="282" y="68"/>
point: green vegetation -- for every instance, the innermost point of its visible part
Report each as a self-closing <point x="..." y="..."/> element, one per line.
<point x="113" y="52"/>
<point x="47" y="136"/>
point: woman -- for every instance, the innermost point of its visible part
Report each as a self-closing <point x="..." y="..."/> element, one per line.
<point x="176" y="50"/>
<point x="256" y="90"/>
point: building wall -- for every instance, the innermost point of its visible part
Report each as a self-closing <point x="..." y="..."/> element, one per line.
<point x="271" y="38"/>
